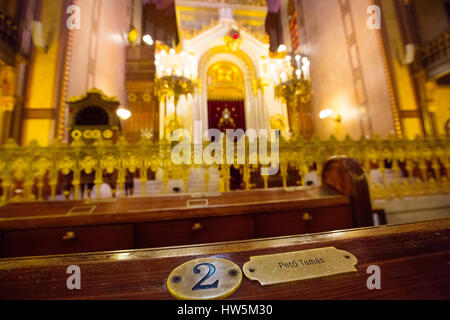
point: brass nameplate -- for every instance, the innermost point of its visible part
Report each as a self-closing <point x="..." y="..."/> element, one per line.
<point x="204" y="279"/>
<point x="197" y="203"/>
<point x="299" y="265"/>
<point x="82" y="210"/>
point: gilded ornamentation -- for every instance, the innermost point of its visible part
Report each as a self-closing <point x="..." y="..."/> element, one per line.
<point x="188" y="34"/>
<point x="41" y="166"/>
<point x="174" y="86"/>
<point x="109" y="164"/>
<point x="147" y="97"/>
<point x="226" y="121"/>
<point x="132" y="97"/>
<point x="255" y="3"/>
<point x="66" y="165"/>
<point x="224" y="49"/>
<point x="88" y="164"/>
<point x="76" y="134"/>
<point x="94" y="90"/>
<point x="81" y="109"/>
<point x="293" y="90"/>
<point x="263" y="83"/>
<point x="425" y="161"/>
<point x="172" y="123"/>
<point x="107" y="134"/>
<point x="225" y="82"/>
<point x="233" y="40"/>
<point x="258" y="34"/>
<point x="7" y="88"/>
<point x="278" y="122"/>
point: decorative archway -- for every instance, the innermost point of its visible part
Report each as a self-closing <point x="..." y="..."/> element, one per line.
<point x="245" y="64"/>
<point x="226" y="96"/>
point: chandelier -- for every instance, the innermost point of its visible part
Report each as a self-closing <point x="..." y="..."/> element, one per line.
<point x="293" y="85"/>
<point x="176" y="76"/>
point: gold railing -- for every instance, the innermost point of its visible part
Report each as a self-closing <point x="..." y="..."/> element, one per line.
<point x="255" y="3"/>
<point x="395" y="167"/>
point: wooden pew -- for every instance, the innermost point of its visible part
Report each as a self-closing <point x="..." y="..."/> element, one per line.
<point x="43" y="228"/>
<point x="413" y="260"/>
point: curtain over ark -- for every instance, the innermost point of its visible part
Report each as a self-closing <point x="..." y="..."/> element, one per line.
<point x="224" y="115"/>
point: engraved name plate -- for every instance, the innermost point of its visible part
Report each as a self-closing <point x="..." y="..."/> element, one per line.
<point x="299" y="265"/>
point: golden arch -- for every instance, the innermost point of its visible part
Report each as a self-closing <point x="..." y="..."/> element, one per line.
<point x="225" y="81"/>
<point x="225" y="49"/>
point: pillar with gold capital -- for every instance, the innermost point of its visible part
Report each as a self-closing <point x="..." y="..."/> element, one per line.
<point x="263" y="84"/>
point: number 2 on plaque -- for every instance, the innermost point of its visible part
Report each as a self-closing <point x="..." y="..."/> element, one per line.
<point x="212" y="270"/>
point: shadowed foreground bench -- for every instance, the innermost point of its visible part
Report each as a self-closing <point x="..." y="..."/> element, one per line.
<point x="414" y="262"/>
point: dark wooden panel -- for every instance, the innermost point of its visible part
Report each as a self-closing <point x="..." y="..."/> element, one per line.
<point x="303" y="221"/>
<point x="192" y="231"/>
<point x="280" y="224"/>
<point x="328" y="219"/>
<point x="346" y="176"/>
<point x="310" y="197"/>
<point x="163" y="208"/>
<point x="18" y="243"/>
<point x="413" y="260"/>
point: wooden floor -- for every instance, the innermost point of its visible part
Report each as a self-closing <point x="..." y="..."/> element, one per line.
<point x="414" y="261"/>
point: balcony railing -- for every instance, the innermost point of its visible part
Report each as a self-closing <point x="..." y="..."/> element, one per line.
<point x="436" y="52"/>
<point x="395" y="167"/>
<point x="8" y="30"/>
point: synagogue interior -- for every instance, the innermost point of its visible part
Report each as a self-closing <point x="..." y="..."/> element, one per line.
<point x="147" y="136"/>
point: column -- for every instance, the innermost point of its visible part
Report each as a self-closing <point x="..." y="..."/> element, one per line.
<point x="7" y="100"/>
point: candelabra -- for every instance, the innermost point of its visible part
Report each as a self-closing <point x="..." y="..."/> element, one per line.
<point x="294" y="86"/>
<point x="176" y="77"/>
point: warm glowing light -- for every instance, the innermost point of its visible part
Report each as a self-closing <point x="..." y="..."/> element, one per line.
<point x="324" y="114"/>
<point x="288" y="58"/>
<point x="148" y="39"/>
<point x="123" y="114"/>
<point x="273" y="69"/>
<point x="298" y="72"/>
<point x="122" y="256"/>
<point x="297" y="57"/>
<point x="281" y="48"/>
<point x="172" y="51"/>
<point x="132" y="35"/>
